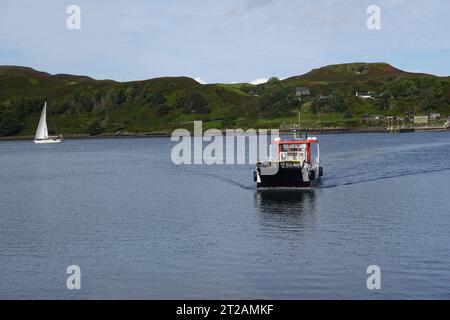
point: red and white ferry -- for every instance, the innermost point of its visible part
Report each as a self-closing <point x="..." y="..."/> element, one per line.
<point x="293" y="164"/>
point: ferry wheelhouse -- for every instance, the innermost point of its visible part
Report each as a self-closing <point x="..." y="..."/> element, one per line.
<point x="293" y="164"/>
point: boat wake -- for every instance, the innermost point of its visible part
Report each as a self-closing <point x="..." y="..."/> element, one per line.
<point x="411" y="173"/>
<point x="231" y="181"/>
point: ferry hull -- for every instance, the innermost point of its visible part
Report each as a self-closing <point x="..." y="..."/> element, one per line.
<point x="286" y="178"/>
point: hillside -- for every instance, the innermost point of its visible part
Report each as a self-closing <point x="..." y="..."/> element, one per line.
<point x="82" y="105"/>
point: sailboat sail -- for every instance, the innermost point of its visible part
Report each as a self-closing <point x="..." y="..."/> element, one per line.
<point x="42" y="131"/>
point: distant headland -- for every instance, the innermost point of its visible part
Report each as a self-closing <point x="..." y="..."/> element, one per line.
<point x="355" y="97"/>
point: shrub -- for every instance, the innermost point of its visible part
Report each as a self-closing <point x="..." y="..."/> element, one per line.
<point x="95" y="128"/>
<point x="10" y="126"/>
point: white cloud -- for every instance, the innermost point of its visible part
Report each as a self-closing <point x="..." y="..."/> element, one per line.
<point x="259" y="81"/>
<point x="200" y="80"/>
<point x="248" y="6"/>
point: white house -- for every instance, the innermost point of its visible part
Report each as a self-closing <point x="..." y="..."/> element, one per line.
<point x="302" y="91"/>
<point x="368" y="95"/>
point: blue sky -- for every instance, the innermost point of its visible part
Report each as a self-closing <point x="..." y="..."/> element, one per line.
<point x="222" y="41"/>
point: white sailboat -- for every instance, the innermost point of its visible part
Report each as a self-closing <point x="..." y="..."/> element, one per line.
<point x="42" y="136"/>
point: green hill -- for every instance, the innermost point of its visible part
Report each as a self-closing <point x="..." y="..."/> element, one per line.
<point x="82" y="105"/>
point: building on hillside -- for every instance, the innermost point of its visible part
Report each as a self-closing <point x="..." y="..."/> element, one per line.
<point x="421" y="119"/>
<point x="365" y="95"/>
<point x="435" y="116"/>
<point x="361" y="69"/>
<point x="302" y="91"/>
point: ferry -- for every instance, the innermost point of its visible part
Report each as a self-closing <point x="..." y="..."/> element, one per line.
<point x="293" y="164"/>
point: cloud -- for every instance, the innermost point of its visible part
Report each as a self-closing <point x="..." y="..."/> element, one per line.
<point x="259" y="81"/>
<point x="248" y="6"/>
<point x="200" y="80"/>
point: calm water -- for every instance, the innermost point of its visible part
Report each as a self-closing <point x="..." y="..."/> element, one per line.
<point x="141" y="227"/>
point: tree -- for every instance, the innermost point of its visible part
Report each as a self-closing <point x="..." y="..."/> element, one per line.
<point x="129" y="93"/>
<point x="85" y="101"/>
<point x="196" y="103"/>
<point x="383" y="102"/>
<point x="95" y="128"/>
<point x="10" y="125"/>
<point x="158" y="99"/>
<point x="412" y="90"/>
<point x="337" y="102"/>
<point x="162" y="110"/>
<point x="274" y="103"/>
<point x="433" y="99"/>
<point x="358" y="86"/>
<point x="273" y="81"/>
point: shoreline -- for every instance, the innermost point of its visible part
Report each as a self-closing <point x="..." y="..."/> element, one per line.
<point x="284" y="132"/>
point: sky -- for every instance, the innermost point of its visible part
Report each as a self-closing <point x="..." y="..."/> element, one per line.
<point x="222" y="41"/>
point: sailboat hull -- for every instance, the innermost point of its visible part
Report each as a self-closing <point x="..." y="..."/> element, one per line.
<point x="47" y="141"/>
